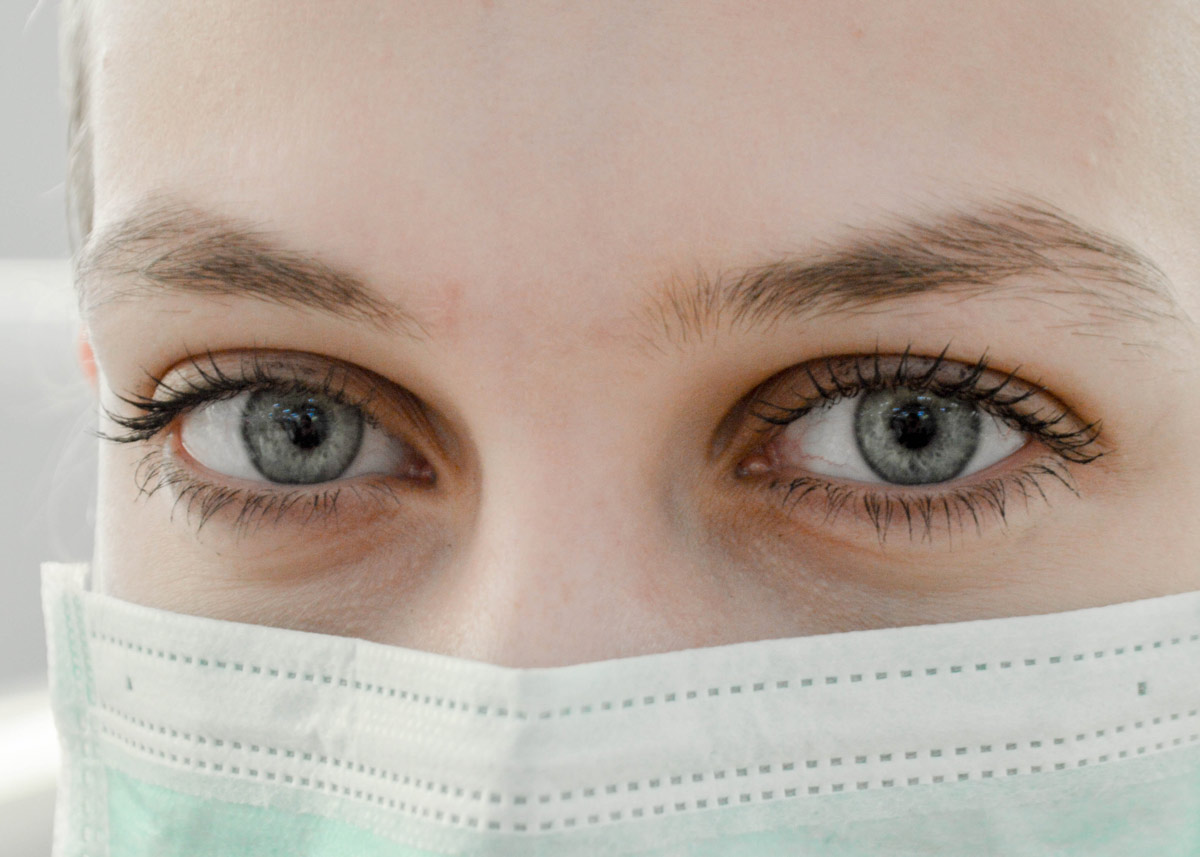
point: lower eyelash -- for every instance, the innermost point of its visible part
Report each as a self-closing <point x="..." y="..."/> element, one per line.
<point x="923" y="514"/>
<point x="202" y="500"/>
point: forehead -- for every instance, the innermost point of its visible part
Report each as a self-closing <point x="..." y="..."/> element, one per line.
<point x="559" y="154"/>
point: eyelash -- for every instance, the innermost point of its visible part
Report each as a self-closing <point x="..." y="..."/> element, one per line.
<point x="844" y="377"/>
<point x="851" y="376"/>
<point x="215" y="385"/>
<point x="204" y="499"/>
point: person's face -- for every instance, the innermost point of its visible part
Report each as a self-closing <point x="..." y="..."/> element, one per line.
<point x="608" y="252"/>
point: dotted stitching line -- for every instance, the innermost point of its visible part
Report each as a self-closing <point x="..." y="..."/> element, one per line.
<point x="593" y="818"/>
<point x="587" y="793"/>
<point x="415" y="697"/>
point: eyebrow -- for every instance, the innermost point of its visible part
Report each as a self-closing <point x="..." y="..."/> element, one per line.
<point x="165" y="245"/>
<point x="1021" y="247"/>
<point x="1016" y="248"/>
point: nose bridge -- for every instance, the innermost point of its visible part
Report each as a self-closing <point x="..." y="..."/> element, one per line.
<point x="565" y="553"/>
<point x="568" y="556"/>
<point x="568" y="548"/>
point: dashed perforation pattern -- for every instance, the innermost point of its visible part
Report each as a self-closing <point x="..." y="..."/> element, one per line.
<point x="414" y="696"/>
<point x="467" y="746"/>
<point x="472" y="807"/>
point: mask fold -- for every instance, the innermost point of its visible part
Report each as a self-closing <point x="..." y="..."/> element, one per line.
<point x="1068" y="733"/>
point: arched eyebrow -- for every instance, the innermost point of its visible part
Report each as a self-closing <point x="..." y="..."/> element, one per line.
<point x="165" y="245"/>
<point x="1018" y="249"/>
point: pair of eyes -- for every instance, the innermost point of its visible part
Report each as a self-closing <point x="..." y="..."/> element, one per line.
<point x="900" y="436"/>
<point x="920" y="422"/>
<point x="922" y="443"/>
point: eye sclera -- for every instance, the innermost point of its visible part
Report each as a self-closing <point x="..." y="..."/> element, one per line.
<point x="200" y="383"/>
<point x="1056" y="440"/>
<point x="824" y="442"/>
<point x="1029" y="407"/>
<point x="213" y="436"/>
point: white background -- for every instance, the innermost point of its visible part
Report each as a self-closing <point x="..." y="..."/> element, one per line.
<point x="47" y="458"/>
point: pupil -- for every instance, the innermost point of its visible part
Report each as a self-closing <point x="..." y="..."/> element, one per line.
<point x="913" y="426"/>
<point x="912" y="438"/>
<point x="306" y="428"/>
<point x="300" y="439"/>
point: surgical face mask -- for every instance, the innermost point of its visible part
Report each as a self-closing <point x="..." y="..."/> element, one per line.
<point x="1071" y="733"/>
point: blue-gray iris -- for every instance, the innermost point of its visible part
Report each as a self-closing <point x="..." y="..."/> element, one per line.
<point x="300" y="438"/>
<point x="908" y="437"/>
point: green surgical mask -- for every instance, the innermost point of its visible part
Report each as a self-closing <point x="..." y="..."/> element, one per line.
<point x="1063" y="734"/>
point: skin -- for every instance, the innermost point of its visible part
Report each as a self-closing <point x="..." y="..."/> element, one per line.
<point x="522" y="178"/>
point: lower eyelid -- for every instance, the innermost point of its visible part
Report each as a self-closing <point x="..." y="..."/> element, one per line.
<point x="198" y="498"/>
<point x="932" y="513"/>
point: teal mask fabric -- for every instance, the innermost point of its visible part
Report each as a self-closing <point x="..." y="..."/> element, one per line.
<point x="1062" y="734"/>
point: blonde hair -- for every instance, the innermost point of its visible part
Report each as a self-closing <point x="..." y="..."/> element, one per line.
<point x="74" y="66"/>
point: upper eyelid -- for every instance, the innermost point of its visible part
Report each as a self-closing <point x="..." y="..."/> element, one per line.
<point x="198" y="380"/>
<point x="208" y="367"/>
<point x="837" y="384"/>
<point x="1055" y="423"/>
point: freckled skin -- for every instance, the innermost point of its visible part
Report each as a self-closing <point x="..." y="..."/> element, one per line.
<point x="521" y="176"/>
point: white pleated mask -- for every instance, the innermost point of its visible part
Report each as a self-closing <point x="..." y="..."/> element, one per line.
<point x="1068" y="733"/>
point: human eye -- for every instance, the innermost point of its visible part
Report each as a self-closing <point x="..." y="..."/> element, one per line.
<point x="925" y="442"/>
<point x="271" y="433"/>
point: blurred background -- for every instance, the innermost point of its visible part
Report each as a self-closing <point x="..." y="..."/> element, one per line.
<point x="47" y="454"/>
